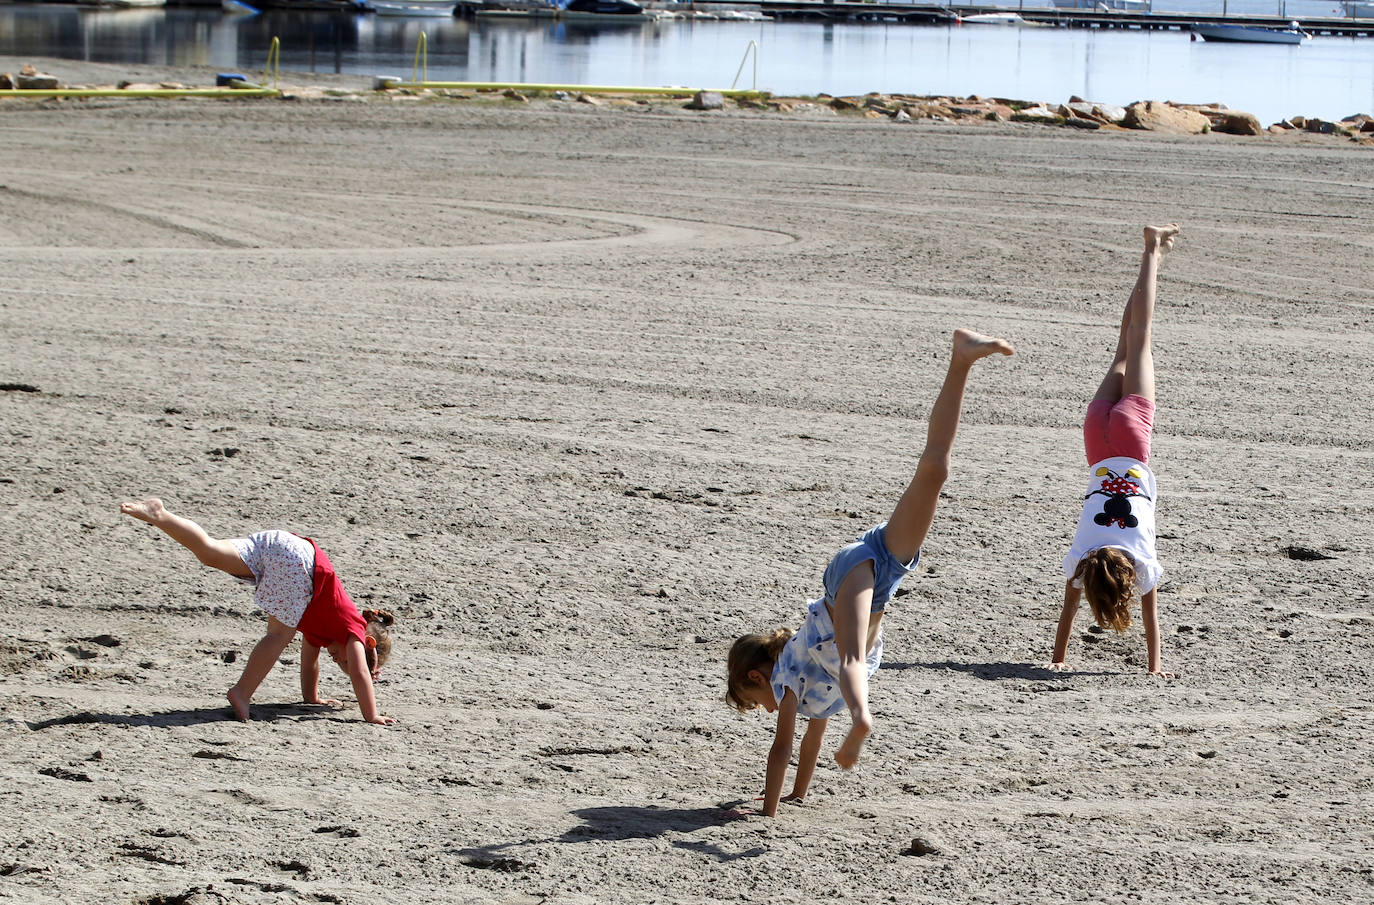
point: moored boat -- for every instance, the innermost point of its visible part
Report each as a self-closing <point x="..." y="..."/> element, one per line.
<point x="1251" y="34"/>
<point x="429" y="8"/>
<point x="607" y="10"/>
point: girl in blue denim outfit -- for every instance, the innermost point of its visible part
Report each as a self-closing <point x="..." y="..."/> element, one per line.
<point x="825" y="667"/>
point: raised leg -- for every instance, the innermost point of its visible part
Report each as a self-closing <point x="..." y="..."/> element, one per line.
<point x="1132" y="371"/>
<point x="217" y="554"/>
<point x="260" y="662"/>
<point x="912" y="517"/>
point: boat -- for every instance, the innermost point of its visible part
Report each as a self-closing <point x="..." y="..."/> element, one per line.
<point x="604" y="10"/>
<point x="517" y="8"/>
<point x="239" y="8"/>
<point x="431" y="8"/>
<point x="1251" y="34"/>
<point x="1011" y="19"/>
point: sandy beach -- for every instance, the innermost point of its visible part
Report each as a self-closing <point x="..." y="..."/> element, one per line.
<point x="583" y="393"/>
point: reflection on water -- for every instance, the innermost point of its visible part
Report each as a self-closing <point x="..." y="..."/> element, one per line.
<point x="1326" y="77"/>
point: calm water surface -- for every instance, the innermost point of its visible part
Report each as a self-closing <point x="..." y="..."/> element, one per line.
<point x="1326" y="77"/>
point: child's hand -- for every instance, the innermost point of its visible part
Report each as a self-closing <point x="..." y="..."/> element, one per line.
<point x="1161" y="674"/>
<point x="1059" y="666"/>
<point x="794" y="798"/>
<point x="323" y="702"/>
<point x="380" y="720"/>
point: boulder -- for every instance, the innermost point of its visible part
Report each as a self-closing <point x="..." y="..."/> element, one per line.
<point x="6" y="81"/>
<point x="707" y="100"/>
<point x="1079" y="122"/>
<point x="901" y="116"/>
<point x="1037" y="114"/>
<point x="1158" y="117"/>
<point x="1320" y="126"/>
<point x="1368" y="126"/>
<point x="1237" y="122"/>
<point x="842" y="103"/>
<point x="587" y="99"/>
<point x="36" y="81"/>
<point x="1109" y="113"/>
<point x="1298" y="122"/>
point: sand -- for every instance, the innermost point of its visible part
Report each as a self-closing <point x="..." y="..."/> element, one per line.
<point x="581" y="394"/>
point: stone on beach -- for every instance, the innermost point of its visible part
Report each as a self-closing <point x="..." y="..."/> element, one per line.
<point x="1235" y="122"/>
<point x="707" y="100"/>
<point x="1160" y="117"/>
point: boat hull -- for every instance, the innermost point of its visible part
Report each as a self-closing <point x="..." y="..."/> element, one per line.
<point x="1248" y="34"/>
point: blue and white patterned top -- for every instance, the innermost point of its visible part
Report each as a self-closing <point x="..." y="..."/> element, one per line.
<point x="810" y="665"/>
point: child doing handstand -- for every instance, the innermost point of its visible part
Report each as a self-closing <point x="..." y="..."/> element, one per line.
<point x="1112" y="559"/>
<point x="825" y="667"/>
<point x="295" y="585"/>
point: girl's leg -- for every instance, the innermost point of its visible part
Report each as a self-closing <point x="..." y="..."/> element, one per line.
<point x="854" y="628"/>
<point x="218" y="554"/>
<point x="1139" y="379"/>
<point x="260" y="662"/>
<point x="911" y="519"/>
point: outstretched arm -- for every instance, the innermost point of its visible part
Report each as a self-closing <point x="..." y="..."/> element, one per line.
<point x="779" y="754"/>
<point x="1061" y="637"/>
<point x="362" y="684"/>
<point x="806" y="760"/>
<point x="1149" y="615"/>
<point x="310" y="675"/>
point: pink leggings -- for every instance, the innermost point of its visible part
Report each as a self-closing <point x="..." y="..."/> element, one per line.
<point x="1120" y="428"/>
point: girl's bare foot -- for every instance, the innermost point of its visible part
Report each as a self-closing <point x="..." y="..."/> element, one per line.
<point x="970" y="346"/>
<point x="150" y="510"/>
<point x="1160" y="238"/>
<point x="239" y="702"/>
<point x="847" y="755"/>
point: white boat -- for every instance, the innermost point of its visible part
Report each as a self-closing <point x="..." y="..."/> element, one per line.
<point x="431" y="8"/>
<point x="1010" y="19"/>
<point x="1251" y="34"/>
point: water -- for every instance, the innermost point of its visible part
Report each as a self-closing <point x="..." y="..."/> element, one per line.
<point x="1326" y="77"/>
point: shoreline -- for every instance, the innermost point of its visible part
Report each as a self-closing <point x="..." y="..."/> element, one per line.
<point x="1076" y="113"/>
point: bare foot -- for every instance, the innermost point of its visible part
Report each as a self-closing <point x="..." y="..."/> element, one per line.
<point x="240" y="703"/>
<point x="970" y="346"/>
<point x="848" y="753"/>
<point x="1160" y="238"/>
<point x="150" y="510"/>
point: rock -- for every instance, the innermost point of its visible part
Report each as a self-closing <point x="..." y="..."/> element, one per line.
<point x="841" y="103"/>
<point x="1158" y="117"/>
<point x="512" y="94"/>
<point x="6" y="81"/>
<point x="587" y="99"/>
<point x="1277" y="129"/>
<point x="1368" y="126"/>
<point x="901" y="116"/>
<point x="994" y="116"/>
<point x="1079" y="122"/>
<point x="1109" y="113"/>
<point x="37" y="81"/>
<point x="561" y="95"/>
<point x="1320" y="126"/>
<point x="1037" y="114"/>
<point x="28" y="69"/>
<point x="1081" y="109"/>
<point x="920" y="847"/>
<point x="1298" y="122"/>
<point x="707" y="100"/>
<point x="1236" y="122"/>
<point x="965" y="110"/>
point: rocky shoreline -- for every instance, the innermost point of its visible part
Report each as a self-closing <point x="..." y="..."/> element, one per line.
<point x="1165" y="117"/>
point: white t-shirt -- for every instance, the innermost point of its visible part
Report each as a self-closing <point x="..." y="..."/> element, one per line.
<point x="1119" y="511"/>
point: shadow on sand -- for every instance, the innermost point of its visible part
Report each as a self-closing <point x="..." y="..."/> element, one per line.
<point x="619" y="824"/>
<point x="995" y="672"/>
<point x="262" y="713"/>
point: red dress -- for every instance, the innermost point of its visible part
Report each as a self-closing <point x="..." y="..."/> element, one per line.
<point x="331" y="616"/>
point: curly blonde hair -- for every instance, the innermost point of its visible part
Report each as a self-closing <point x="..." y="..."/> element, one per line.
<point x="1109" y="583"/>
<point x="753" y="651"/>
<point x="379" y="635"/>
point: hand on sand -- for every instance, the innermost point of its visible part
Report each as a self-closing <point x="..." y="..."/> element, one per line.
<point x="1161" y="674"/>
<point x="326" y="702"/>
<point x="383" y="720"/>
<point x="794" y="798"/>
<point x="1059" y="666"/>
